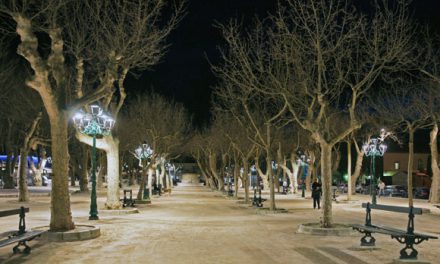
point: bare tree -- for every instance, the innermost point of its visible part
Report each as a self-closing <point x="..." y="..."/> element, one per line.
<point x="253" y="112"/>
<point x="161" y="123"/>
<point x="321" y="58"/>
<point x="404" y="108"/>
<point x="430" y="68"/>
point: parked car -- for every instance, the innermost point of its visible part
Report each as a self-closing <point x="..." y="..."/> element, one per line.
<point x="421" y="192"/>
<point x="362" y="189"/>
<point x="343" y="188"/>
<point x="395" y="191"/>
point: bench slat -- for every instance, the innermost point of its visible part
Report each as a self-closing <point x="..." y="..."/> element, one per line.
<point x="403" y="232"/>
<point x="24" y="237"/>
<point x="392" y="208"/>
<point x="373" y="229"/>
<point x="391" y="231"/>
<point x="12" y="212"/>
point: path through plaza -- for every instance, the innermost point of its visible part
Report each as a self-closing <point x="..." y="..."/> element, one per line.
<point x="197" y="225"/>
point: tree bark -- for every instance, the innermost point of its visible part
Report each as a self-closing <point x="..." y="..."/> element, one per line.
<point x="246" y="180"/>
<point x="23" y="194"/>
<point x="213" y="169"/>
<point x="102" y="170"/>
<point x="326" y="177"/>
<point x="150" y="181"/>
<point x="357" y="169"/>
<point x="310" y="172"/>
<point x="143" y="181"/>
<point x="113" y="202"/>
<point x="269" y="172"/>
<point x="61" y="217"/>
<point x="38" y="171"/>
<point x="110" y="145"/>
<point x="236" y="177"/>
<point x="83" y="173"/>
<point x="434" y="196"/>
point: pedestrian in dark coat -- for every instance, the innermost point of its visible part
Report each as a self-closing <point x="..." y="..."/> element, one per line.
<point x="316" y="194"/>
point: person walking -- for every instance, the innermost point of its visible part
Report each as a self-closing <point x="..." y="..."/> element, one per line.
<point x="316" y="194"/>
<point x="381" y="188"/>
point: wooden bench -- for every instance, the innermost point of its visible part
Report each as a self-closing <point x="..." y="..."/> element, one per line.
<point x="128" y="200"/>
<point x="21" y="236"/>
<point x="407" y="237"/>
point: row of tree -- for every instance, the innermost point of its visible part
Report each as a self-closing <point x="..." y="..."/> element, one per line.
<point x="314" y="75"/>
<point x="77" y="53"/>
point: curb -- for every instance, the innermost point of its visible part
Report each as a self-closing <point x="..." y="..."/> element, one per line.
<point x="81" y="232"/>
<point x="314" y="229"/>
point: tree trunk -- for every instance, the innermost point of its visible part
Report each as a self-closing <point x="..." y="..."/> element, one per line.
<point x="434" y="196"/>
<point x="61" y="217"/>
<point x="110" y="145"/>
<point x="264" y="176"/>
<point x="150" y="181"/>
<point x="38" y="171"/>
<point x="113" y="202"/>
<point x="294" y="174"/>
<point x="236" y="177"/>
<point x="269" y="172"/>
<point x="246" y="180"/>
<point x="102" y="170"/>
<point x="349" y="184"/>
<point x="410" y="164"/>
<point x="310" y="172"/>
<point x="23" y="194"/>
<point x="83" y="173"/>
<point x="213" y="168"/>
<point x="326" y="177"/>
<point x="357" y="170"/>
<point x="140" y="195"/>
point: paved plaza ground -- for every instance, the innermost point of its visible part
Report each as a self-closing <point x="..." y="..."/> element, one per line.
<point x="197" y="225"/>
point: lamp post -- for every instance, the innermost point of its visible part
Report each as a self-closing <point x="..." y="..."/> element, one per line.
<point x="95" y="124"/>
<point x="144" y="152"/>
<point x="373" y="148"/>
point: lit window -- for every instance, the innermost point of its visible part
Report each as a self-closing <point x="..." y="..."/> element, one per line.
<point x="396" y="165"/>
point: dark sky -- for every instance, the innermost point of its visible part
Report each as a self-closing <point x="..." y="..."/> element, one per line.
<point x="184" y="73"/>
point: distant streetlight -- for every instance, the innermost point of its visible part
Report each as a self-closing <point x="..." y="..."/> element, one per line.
<point x="144" y="152"/>
<point x="373" y="148"/>
<point x="95" y="124"/>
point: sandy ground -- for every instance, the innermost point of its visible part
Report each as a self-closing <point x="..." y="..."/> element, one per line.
<point x="197" y="225"/>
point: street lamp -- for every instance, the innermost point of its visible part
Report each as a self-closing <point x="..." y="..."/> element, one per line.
<point x="95" y="124"/>
<point x="373" y="148"/>
<point x="144" y="152"/>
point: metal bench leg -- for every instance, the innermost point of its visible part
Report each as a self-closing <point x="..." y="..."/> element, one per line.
<point x="368" y="240"/>
<point x="408" y="252"/>
<point x="26" y="249"/>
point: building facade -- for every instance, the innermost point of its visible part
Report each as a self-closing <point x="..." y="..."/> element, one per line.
<point x="395" y="169"/>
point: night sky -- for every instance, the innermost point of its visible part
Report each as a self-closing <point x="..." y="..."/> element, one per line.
<point x="184" y="73"/>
